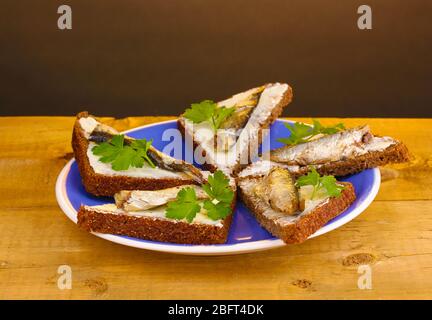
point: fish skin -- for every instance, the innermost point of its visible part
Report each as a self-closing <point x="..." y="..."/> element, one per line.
<point x="104" y="133"/>
<point x="139" y="200"/>
<point x="227" y="134"/>
<point x="325" y="149"/>
<point x="243" y="109"/>
<point x="239" y="117"/>
<point x="278" y="189"/>
<point x="165" y="162"/>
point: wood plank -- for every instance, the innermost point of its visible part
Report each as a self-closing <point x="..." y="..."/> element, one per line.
<point x="393" y="234"/>
<point x="388" y="236"/>
<point x="49" y="137"/>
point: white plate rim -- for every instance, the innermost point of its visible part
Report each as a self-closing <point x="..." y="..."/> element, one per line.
<point x="221" y="249"/>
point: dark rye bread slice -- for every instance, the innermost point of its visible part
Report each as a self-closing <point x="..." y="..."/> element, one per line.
<point x="304" y="225"/>
<point x="155" y="229"/>
<point x="273" y="115"/>
<point x="107" y="185"/>
<point x="396" y="153"/>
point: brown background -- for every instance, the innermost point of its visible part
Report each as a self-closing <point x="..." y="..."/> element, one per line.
<point x="153" y="57"/>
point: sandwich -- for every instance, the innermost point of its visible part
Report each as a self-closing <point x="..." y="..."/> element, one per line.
<point x="186" y="214"/>
<point x="226" y="135"/>
<point x="332" y="150"/>
<point x="293" y="209"/>
<point x="110" y="162"/>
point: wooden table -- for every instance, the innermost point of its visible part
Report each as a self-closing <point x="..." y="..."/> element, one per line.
<point x="393" y="236"/>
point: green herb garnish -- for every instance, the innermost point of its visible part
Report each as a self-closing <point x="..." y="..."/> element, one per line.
<point x="218" y="206"/>
<point x="301" y="133"/>
<point x="208" y="110"/>
<point x="327" y="184"/>
<point x="186" y="205"/>
<point x="221" y="196"/>
<point x="218" y="187"/>
<point x="123" y="156"/>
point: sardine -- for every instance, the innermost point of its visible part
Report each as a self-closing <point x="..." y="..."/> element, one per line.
<point x="334" y="147"/>
<point x="279" y="191"/>
<point x="240" y="116"/>
<point x="139" y="200"/>
<point x="103" y="133"/>
<point x="166" y="162"/>
<point x="243" y="104"/>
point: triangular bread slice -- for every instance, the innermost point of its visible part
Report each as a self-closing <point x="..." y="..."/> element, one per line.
<point x="142" y="214"/>
<point x="294" y="228"/>
<point x="256" y="109"/>
<point x="340" y="154"/>
<point x="101" y="180"/>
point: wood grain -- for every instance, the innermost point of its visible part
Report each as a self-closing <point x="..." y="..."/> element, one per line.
<point x="394" y="235"/>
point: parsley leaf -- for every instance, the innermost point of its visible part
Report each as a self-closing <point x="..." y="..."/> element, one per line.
<point x="186" y="205"/>
<point x="218" y="206"/>
<point x="141" y="147"/>
<point x="217" y="187"/>
<point x="221" y="195"/>
<point x="330" y="184"/>
<point x="318" y="128"/>
<point x="123" y="156"/>
<point x="199" y="112"/>
<point x="312" y="178"/>
<point x="108" y="151"/>
<point x="327" y="184"/>
<point x="301" y="133"/>
<point x="208" y="110"/>
<point x="298" y="133"/>
<point x="217" y="211"/>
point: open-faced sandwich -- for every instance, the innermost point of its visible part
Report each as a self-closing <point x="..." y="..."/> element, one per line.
<point x="294" y="209"/>
<point x="292" y="191"/>
<point x="188" y="214"/>
<point x="110" y="162"/>
<point x="227" y="134"/>
<point x="330" y="150"/>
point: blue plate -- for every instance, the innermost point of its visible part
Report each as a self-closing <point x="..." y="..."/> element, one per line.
<point x="245" y="234"/>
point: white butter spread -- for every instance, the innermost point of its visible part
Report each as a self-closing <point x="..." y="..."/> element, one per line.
<point x="88" y="125"/>
<point x="156" y="213"/>
<point x="145" y="172"/>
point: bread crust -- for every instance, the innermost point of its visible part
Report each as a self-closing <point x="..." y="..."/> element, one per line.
<point x="306" y="225"/>
<point x="153" y="229"/>
<point x="276" y="112"/>
<point x="105" y="185"/>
